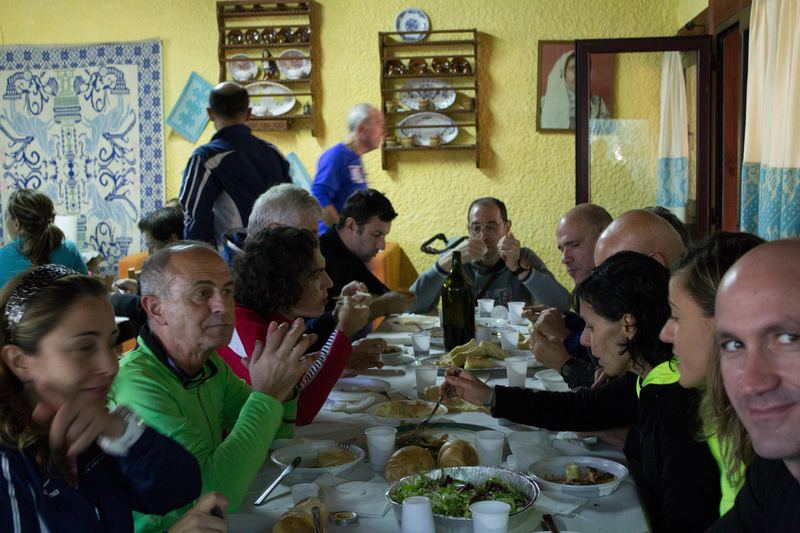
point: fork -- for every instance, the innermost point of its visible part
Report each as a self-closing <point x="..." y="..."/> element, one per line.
<point x="345" y="444"/>
<point x="420" y="430"/>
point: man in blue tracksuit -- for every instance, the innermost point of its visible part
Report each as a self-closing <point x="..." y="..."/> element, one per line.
<point x="224" y="177"/>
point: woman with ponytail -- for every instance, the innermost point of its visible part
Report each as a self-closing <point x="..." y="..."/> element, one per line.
<point x="36" y="239"/>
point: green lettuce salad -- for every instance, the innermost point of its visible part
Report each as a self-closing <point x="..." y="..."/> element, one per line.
<point x="452" y="497"/>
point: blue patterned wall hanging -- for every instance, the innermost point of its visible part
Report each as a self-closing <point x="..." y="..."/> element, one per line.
<point x="189" y="116"/>
<point x="84" y="124"/>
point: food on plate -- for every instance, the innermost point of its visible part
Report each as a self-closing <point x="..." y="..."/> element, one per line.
<point x="407" y="461"/>
<point x="332" y="457"/>
<point x="522" y="343"/>
<point x="574" y="475"/>
<point x="431" y="394"/>
<point x="457" y="452"/>
<point x="401" y="409"/>
<point x="432" y="443"/>
<point x="299" y="519"/>
<point x="452" y="497"/>
<point x="474" y="361"/>
<point x="458" y="355"/>
<point x="392" y="349"/>
<point x="437" y="332"/>
<point x="493" y="351"/>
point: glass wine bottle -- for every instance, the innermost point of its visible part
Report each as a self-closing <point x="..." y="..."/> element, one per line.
<point x="458" y="307"/>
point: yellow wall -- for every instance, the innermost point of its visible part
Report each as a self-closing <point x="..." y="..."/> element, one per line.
<point x="531" y="172"/>
<point x="689" y="9"/>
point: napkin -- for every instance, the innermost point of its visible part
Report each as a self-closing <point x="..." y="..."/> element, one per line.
<point x="557" y="503"/>
<point x="365" y="498"/>
<point x="351" y="406"/>
<point x="529" y="447"/>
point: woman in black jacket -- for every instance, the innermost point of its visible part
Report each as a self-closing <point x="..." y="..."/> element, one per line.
<point x="625" y="303"/>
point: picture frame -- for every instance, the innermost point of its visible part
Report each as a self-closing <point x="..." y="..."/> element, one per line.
<point x="557" y="115"/>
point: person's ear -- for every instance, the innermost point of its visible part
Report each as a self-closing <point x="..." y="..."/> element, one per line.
<point x="17" y="361"/>
<point x="658" y="257"/>
<point x="629" y="325"/>
<point x="154" y="307"/>
<point x="247" y="114"/>
<point x="508" y="225"/>
<point x="351" y="225"/>
<point x="210" y="114"/>
<point x="173" y="238"/>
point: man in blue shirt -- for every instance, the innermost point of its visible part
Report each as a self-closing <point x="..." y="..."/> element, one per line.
<point x="224" y="177"/>
<point x="339" y="169"/>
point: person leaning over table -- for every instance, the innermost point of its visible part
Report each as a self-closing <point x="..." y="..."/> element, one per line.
<point x="36" y="239"/>
<point x="500" y="268"/>
<point x="624" y="303"/>
<point x="279" y="277"/>
<point x="177" y="384"/>
<point x="67" y="463"/>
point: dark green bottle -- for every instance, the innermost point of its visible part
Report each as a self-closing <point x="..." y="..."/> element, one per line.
<point x="458" y="307"/>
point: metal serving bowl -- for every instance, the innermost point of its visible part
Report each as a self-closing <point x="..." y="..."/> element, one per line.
<point x="473" y="474"/>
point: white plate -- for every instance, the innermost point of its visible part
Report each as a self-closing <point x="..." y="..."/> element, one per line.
<point x="422" y="136"/>
<point x="532" y="362"/>
<point x="396" y="358"/>
<point x="308" y="451"/>
<point x="552" y="380"/>
<point x="281" y="102"/>
<point x="293" y="66"/>
<point x="245" y="69"/>
<point x="356" y="388"/>
<point x="412" y="20"/>
<point x="409" y="322"/>
<point x="433" y="90"/>
<point x="554" y="468"/>
<point x="398" y="421"/>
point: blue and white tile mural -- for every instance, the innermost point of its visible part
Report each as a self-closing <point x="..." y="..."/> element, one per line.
<point x="84" y="124"/>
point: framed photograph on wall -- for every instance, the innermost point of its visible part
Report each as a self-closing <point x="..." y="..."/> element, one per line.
<point x="556" y="87"/>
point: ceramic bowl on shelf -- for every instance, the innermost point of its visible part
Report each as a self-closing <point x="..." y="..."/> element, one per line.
<point x="418" y="66"/>
<point x="252" y="37"/>
<point x="441" y="65"/>
<point x="412" y="20"/>
<point x="243" y="69"/>
<point x="269" y="36"/>
<point x="395" y="68"/>
<point x="285" y="35"/>
<point x="294" y="65"/>
<point x="302" y="35"/>
<point x="461" y="66"/>
<point x="235" y="37"/>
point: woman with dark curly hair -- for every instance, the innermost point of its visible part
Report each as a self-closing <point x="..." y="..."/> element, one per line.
<point x="279" y="277"/>
<point x="624" y="302"/>
<point x="690" y="330"/>
<point x="37" y="240"/>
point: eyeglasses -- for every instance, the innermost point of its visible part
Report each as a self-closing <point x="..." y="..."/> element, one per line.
<point x="489" y="227"/>
<point x="193" y="383"/>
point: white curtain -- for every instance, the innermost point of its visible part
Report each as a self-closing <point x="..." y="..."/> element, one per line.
<point x="673" y="142"/>
<point x="770" y="204"/>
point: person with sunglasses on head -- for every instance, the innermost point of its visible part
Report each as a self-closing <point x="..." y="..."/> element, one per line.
<point x="68" y="464"/>
<point x="175" y="381"/>
<point x="499" y="266"/>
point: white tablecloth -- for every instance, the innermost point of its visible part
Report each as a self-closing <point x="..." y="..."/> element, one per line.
<point x="619" y="512"/>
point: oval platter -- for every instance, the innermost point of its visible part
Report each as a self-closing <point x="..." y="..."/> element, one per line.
<point x="280" y="102"/>
<point x="422" y="136"/>
<point x="437" y="91"/>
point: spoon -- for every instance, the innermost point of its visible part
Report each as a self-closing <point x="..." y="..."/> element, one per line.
<point x="286" y="472"/>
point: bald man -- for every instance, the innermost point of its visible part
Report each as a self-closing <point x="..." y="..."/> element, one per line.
<point x="224" y="177"/>
<point x="643" y="232"/>
<point x="758" y="335"/>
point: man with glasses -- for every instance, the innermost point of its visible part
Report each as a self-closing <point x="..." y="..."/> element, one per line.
<point x="500" y="268"/>
<point x="178" y="385"/>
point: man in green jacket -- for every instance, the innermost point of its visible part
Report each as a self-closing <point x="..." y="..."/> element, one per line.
<point x="178" y="385"/>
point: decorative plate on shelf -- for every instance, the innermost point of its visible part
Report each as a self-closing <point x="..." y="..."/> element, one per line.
<point x="437" y="91"/>
<point x="243" y="69"/>
<point x="412" y="20"/>
<point x="270" y="99"/>
<point x="422" y="136"/>
<point x="294" y="65"/>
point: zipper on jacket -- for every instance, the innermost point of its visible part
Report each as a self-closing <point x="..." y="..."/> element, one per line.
<point x="200" y="401"/>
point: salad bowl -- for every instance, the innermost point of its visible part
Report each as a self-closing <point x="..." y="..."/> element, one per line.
<point x="475" y="475"/>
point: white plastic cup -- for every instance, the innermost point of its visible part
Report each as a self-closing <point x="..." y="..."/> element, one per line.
<point x="509" y="338"/>
<point x="485" y="306"/>
<point x="301" y="491"/>
<point x="483" y="333"/>
<point x="422" y="343"/>
<point x="516" y="370"/>
<point x="490" y="516"/>
<point x="489" y="445"/>
<point x="426" y="377"/>
<point x="417" y="515"/>
<point x="380" y="442"/>
<point x="515" y="312"/>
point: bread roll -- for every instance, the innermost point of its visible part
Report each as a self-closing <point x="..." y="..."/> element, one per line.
<point x="298" y="519"/>
<point x="407" y="461"/>
<point x="457" y="452"/>
<point x="478" y="362"/>
<point x="332" y="457"/>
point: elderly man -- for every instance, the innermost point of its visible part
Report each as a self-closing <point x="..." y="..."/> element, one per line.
<point x="356" y="238"/>
<point x="339" y="170"/>
<point x="178" y="385"/>
<point x="758" y="335"/>
<point x="500" y="268"/>
<point x="556" y="340"/>
<point x="224" y="177"/>
<point x="640" y="231"/>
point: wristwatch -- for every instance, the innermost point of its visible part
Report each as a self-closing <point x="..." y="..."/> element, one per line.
<point x="565" y="368"/>
<point x="523" y="266"/>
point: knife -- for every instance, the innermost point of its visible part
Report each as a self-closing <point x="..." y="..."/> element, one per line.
<point x="286" y="472"/>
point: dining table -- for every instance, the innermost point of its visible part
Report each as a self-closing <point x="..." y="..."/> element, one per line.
<point x="620" y="512"/>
